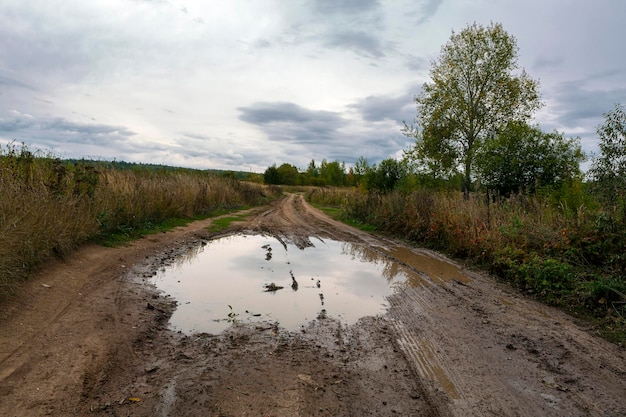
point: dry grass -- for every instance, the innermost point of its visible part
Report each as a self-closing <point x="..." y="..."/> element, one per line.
<point x="49" y="207"/>
<point x="570" y="257"/>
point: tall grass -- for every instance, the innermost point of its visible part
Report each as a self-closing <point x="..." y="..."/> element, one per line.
<point x="330" y="196"/>
<point x="48" y="207"/>
<point x="572" y="257"/>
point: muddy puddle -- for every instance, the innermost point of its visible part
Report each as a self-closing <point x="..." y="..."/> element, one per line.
<point x="252" y="278"/>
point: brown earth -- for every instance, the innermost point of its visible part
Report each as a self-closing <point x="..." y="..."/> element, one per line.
<point x="88" y="336"/>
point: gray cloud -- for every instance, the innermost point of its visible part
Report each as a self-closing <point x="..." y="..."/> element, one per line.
<point x="63" y="64"/>
<point x="349" y="7"/>
<point x="422" y="10"/>
<point x="576" y="108"/>
<point x="197" y="136"/>
<point x="547" y="62"/>
<point x="395" y="108"/>
<point x="16" y="121"/>
<point x="262" y="43"/>
<point x="316" y="134"/>
<point x="225" y="153"/>
<point x="285" y="121"/>
<point x="25" y="127"/>
<point x="372" y="142"/>
<point x="354" y="25"/>
<point x="576" y="102"/>
<point x="358" y="41"/>
<point x="85" y="131"/>
<point x="42" y="50"/>
<point x="11" y="82"/>
<point x="72" y="44"/>
<point x="156" y="2"/>
<point x="429" y="9"/>
<point x="417" y="63"/>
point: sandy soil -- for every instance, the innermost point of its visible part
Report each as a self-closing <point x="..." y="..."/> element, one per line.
<point x="87" y="336"/>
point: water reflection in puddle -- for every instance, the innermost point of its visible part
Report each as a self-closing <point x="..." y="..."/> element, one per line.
<point x="237" y="279"/>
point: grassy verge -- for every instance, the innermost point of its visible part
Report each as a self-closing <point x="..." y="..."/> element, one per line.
<point x="570" y="257"/>
<point x="223" y="223"/>
<point x="334" y="201"/>
<point x="338" y="213"/>
<point x="114" y="239"/>
<point x="49" y="206"/>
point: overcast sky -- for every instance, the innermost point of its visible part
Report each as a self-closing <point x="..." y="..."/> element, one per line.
<point x="245" y="84"/>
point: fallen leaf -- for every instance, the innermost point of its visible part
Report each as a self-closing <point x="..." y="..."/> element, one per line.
<point x="134" y="399"/>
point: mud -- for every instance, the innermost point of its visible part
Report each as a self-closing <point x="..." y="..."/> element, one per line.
<point x="89" y="336"/>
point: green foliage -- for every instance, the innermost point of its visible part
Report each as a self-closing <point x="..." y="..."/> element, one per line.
<point x="522" y="159"/>
<point x="571" y="257"/>
<point x="360" y="170"/>
<point x="384" y="177"/>
<point x="288" y="175"/>
<point x="327" y="173"/>
<point x="222" y="223"/>
<point x="549" y="278"/>
<point x="609" y="169"/>
<point x="432" y="158"/>
<point x="473" y="93"/>
<point x="333" y="173"/>
<point x="271" y="176"/>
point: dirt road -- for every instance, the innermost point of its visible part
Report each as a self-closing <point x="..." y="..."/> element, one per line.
<point x="87" y="336"/>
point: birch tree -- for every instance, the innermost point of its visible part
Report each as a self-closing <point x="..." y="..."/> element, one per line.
<point x="476" y="89"/>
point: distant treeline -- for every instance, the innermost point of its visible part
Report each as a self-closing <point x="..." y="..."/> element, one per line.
<point x="134" y="166"/>
<point x="385" y="176"/>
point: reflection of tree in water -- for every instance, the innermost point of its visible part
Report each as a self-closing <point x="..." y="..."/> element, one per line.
<point x="185" y="256"/>
<point x="390" y="267"/>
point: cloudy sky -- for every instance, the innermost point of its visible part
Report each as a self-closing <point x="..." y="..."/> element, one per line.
<point x="245" y="84"/>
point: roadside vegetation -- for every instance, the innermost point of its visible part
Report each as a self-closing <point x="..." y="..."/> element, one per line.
<point x="570" y="257"/>
<point x="483" y="184"/>
<point x="48" y="206"/>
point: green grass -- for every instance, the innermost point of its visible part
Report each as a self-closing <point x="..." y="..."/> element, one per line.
<point x="122" y="237"/>
<point x="337" y="213"/>
<point x="223" y="223"/>
<point x="218" y="225"/>
<point x="334" y="212"/>
<point x="366" y="227"/>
